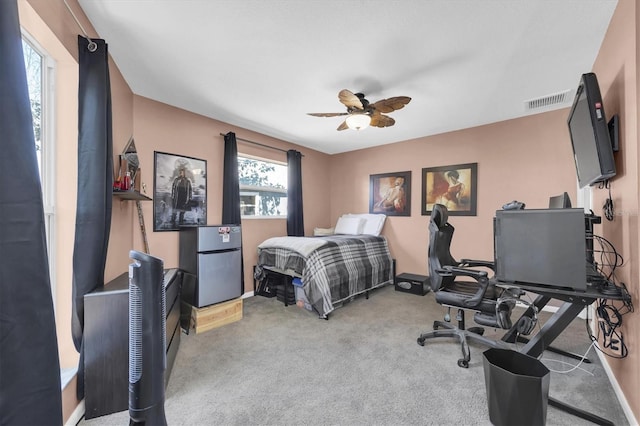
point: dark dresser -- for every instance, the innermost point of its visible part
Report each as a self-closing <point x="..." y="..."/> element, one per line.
<point x="106" y="342"/>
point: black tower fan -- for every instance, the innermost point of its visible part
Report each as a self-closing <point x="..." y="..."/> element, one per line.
<point x="147" y="356"/>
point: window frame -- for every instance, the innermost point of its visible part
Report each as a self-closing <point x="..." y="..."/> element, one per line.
<point x="47" y="154"/>
<point x="248" y="190"/>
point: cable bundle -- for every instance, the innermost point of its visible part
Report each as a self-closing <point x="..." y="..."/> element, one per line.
<point x="609" y="312"/>
<point x="607" y="208"/>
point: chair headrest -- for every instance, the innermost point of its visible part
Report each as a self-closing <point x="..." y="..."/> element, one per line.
<point x="439" y="215"/>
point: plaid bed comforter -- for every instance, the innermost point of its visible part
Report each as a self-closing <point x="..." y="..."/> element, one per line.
<point x="335" y="270"/>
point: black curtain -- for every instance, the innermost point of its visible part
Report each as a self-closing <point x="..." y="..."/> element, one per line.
<point x="29" y="365"/>
<point x="230" y="182"/>
<point x="231" y="188"/>
<point x="95" y="184"/>
<point x="295" y="221"/>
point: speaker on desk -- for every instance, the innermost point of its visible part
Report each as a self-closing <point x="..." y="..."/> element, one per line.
<point x="147" y="325"/>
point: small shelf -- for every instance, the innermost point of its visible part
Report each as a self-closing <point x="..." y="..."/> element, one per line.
<point x="131" y="195"/>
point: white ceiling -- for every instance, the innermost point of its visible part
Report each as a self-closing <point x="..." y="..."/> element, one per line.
<point x="263" y="64"/>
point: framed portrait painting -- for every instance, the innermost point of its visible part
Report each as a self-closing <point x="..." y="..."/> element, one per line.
<point x="453" y="186"/>
<point x="390" y="193"/>
<point x="179" y="191"/>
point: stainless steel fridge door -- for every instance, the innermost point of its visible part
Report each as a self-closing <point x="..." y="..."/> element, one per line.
<point x="219" y="237"/>
<point x="219" y="277"/>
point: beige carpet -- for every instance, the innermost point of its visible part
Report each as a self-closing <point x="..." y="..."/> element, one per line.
<point x="284" y="366"/>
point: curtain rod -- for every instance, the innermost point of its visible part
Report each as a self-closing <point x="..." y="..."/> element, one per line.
<point x="92" y="46"/>
<point x="260" y="144"/>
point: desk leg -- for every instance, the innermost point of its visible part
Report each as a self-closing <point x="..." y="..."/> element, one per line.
<point x="512" y="335"/>
<point x="579" y="413"/>
<point x="552" y="329"/>
<point x="556" y="324"/>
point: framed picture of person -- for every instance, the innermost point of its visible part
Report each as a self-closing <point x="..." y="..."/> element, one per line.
<point x="453" y="186"/>
<point x="179" y="191"/>
<point x="390" y="193"/>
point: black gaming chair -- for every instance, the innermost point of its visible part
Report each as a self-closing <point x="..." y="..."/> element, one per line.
<point x="492" y="305"/>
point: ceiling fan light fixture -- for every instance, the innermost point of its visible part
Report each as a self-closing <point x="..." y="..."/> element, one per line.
<point x="358" y="121"/>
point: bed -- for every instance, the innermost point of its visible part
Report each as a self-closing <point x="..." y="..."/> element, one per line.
<point x="334" y="268"/>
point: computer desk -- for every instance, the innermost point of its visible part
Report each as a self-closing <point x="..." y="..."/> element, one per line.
<point x="574" y="303"/>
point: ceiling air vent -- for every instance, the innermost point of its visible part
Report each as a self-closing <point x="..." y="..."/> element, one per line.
<point x="547" y="101"/>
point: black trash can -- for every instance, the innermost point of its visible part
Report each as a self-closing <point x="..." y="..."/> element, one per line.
<point x="517" y="388"/>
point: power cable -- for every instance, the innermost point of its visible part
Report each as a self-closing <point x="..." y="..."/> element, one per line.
<point x="607" y="208"/>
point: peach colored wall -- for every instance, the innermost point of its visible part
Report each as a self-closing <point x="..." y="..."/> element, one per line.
<point x="160" y="127"/>
<point x="123" y="213"/>
<point x="617" y="69"/>
<point x="527" y="159"/>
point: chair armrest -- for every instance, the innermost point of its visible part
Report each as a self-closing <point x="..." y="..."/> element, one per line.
<point x="456" y="270"/>
<point x="483" y="284"/>
<point x="476" y="263"/>
<point x="480" y="276"/>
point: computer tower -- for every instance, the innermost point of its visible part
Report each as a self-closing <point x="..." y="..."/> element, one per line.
<point x="543" y="247"/>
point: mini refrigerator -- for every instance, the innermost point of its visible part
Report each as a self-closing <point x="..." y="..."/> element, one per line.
<point x="211" y="258"/>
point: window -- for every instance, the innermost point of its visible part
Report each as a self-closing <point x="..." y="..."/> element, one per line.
<point x="40" y="69"/>
<point x="33" y="64"/>
<point x="263" y="187"/>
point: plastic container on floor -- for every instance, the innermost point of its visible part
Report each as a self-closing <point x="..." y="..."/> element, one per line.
<point x="517" y="388"/>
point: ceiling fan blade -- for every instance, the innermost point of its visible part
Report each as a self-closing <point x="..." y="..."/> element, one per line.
<point x="349" y="99"/>
<point x="391" y="104"/>
<point x="379" y="120"/>
<point x="327" y="114"/>
<point x="343" y="126"/>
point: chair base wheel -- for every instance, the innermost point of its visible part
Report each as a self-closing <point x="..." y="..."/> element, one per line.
<point x="420" y="341"/>
<point x="463" y="363"/>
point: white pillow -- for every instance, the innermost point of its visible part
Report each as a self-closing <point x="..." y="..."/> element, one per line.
<point x="349" y="225"/>
<point x="373" y="222"/>
<point x="323" y="231"/>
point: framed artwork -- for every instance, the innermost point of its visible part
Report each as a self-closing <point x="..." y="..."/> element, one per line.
<point x="453" y="186"/>
<point x="390" y="193"/>
<point x="179" y="191"/>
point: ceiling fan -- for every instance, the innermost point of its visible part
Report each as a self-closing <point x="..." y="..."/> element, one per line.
<point x="362" y="114"/>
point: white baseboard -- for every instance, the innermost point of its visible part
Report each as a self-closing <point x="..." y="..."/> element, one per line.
<point x="248" y="294"/>
<point x="614" y="382"/>
<point x="76" y="416"/>
<point x="616" y="388"/>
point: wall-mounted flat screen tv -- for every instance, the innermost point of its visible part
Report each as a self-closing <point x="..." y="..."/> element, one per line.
<point x="589" y="131"/>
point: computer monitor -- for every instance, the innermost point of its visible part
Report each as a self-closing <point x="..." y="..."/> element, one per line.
<point x="589" y="132"/>
<point x="544" y="247"/>
<point x="560" y="202"/>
